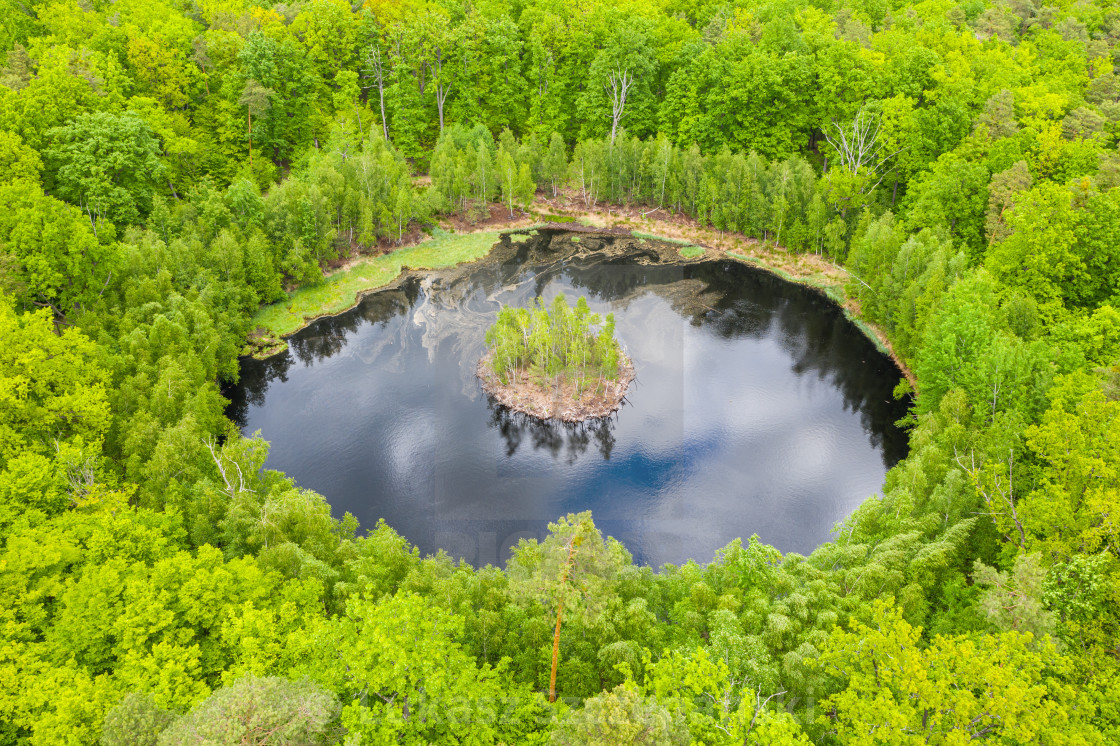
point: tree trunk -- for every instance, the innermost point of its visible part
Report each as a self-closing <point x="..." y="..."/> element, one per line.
<point x="559" y="614"/>
<point x="555" y="654"/>
<point x="381" y="94"/>
<point x="618" y="85"/>
<point x="374" y="58"/>
<point x="441" y="96"/>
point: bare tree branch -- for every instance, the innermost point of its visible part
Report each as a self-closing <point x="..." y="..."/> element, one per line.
<point x="443" y="86"/>
<point x="999" y="495"/>
<point x="618" y="85"/>
<point x="373" y="63"/>
<point x="219" y="461"/>
<point x="859" y="148"/>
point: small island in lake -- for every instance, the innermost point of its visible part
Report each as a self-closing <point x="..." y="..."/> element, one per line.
<point x="555" y="362"/>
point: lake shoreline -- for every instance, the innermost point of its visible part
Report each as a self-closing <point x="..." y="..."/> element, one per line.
<point x="808" y="270"/>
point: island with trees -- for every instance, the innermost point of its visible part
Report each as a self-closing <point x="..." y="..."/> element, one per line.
<point x="555" y="362"/>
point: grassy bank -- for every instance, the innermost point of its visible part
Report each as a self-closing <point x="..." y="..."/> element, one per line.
<point x="789" y="268"/>
<point x="340" y="290"/>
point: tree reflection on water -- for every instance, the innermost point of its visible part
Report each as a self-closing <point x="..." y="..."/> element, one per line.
<point x="567" y="440"/>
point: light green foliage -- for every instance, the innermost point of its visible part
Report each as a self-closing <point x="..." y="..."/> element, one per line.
<point x="628" y="59"/>
<point x="18" y="162"/>
<point x="1082" y="594"/>
<point x="248" y="510"/>
<point x="55" y="258"/>
<point x="539" y="584"/>
<point x="870" y="261"/>
<point x="342" y="200"/>
<point x="554" y="165"/>
<point x="620" y="716"/>
<point x="165" y="171"/>
<point x="1014" y="601"/>
<point x="966" y="346"/>
<point x="489" y="84"/>
<point x="255" y="710"/>
<point x="717" y="707"/>
<point x="554" y="341"/>
<point x="953" y="196"/>
<point x="899" y="282"/>
<point x="515" y="180"/>
<point x="69" y="80"/>
<point x="735" y="83"/>
<point x="1062" y="255"/>
<point x="134" y="613"/>
<point x="464" y="173"/>
<point x="280" y="90"/>
<point x="956" y="689"/>
<point x="407" y="679"/>
<point x="1069" y="511"/>
<point x="54" y="413"/>
<point x="1005" y="189"/>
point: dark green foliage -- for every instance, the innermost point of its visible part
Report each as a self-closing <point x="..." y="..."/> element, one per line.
<point x="106" y="164"/>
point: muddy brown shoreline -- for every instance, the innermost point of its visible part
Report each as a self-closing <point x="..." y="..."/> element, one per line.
<point x="560" y="400"/>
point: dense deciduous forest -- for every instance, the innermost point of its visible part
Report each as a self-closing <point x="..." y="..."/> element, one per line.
<point x="166" y="167"/>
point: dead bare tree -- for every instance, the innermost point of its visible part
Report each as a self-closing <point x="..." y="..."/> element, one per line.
<point x="81" y="476"/>
<point x="727" y="697"/>
<point x="618" y="84"/>
<point x="998" y="495"/>
<point x="374" y="67"/>
<point x="443" y="85"/>
<point x="859" y="148"/>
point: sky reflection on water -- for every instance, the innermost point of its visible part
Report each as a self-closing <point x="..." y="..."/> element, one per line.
<point x="758" y="409"/>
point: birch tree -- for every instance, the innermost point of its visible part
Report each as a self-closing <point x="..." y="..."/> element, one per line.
<point x="441" y="77"/>
<point x="376" y="70"/>
<point x="618" y="84"/>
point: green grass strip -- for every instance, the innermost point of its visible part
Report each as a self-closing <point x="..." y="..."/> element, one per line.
<point x="340" y="290"/>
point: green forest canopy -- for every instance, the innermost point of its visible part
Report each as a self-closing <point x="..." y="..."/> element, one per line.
<point x="168" y="167"/>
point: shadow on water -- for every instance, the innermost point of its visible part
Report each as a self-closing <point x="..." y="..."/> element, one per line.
<point x="759" y="408"/>
<point x="816" y="335"/>
<point x="327" y="337"/>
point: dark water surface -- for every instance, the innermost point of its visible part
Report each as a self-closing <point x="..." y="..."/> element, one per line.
<point x="758" y="409"/>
